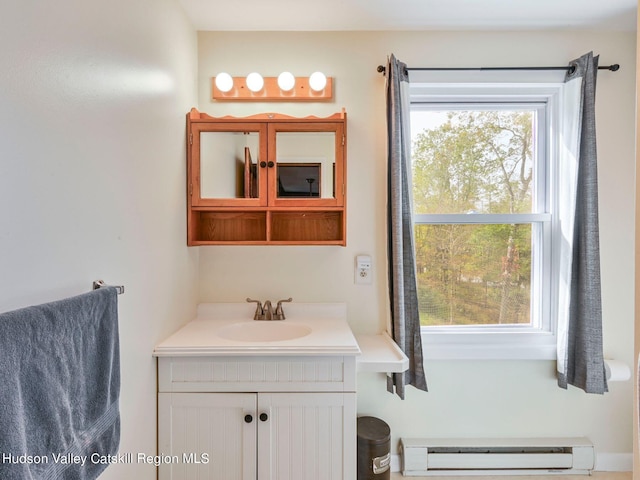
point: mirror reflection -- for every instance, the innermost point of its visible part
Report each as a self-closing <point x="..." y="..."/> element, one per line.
<point x="229" y="164"/>
<point x="305" y="164"/>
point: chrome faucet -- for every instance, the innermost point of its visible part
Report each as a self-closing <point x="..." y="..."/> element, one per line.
<point x="266" y="312"/>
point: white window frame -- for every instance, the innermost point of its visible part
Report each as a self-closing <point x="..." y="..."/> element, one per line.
<point x="538" y="340"/>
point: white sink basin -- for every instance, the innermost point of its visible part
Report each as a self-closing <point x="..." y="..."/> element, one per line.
<point x="263" y="331"/>
<point x="223" y="329"/>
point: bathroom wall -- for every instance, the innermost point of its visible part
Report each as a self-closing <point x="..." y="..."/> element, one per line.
<point x="466" y="398"/>
<point x="636" y="424"/>
<point x="92" y="105"/>
<point x="93" y="97"/>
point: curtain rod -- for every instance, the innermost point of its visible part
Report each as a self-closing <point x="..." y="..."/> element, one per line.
<point x="570" y="68"/>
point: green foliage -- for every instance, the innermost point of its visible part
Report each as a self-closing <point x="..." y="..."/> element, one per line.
<point x="478" y="161"/>
<point x="474" y="162"/>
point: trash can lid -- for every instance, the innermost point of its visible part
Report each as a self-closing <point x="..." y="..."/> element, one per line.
<point x="373" y="429"/>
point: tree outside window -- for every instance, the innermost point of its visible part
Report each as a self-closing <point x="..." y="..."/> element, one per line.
<point x="470" y="165"/>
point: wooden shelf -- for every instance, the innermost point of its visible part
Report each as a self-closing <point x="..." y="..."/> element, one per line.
<point x="279" y="227"/>
<point x="212" y="226"/>
<point x="306" y="226"/>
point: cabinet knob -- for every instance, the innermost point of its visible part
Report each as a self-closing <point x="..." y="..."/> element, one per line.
<point x="270" y="164"/>
<point x="263" y="164"/>
<point x="264" y="417"/>
<point x="248" y="418"/>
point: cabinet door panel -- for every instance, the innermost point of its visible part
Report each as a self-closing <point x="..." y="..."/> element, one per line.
<point x="208" y="428"/>
<point x="224" y="166"/>
<point x="308" y="164"/>
<point x="305" y="436"/>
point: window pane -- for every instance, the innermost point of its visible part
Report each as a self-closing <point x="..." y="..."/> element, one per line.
<point x="473" y="161"/>
<point x="474" y="274"/>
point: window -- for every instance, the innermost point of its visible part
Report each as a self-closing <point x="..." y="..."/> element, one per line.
<point x="483" y="191"/>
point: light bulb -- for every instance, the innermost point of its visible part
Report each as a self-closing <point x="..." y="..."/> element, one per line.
<point x="286" y="81"/>
<point x="255" y="82"/>
<point x="317" y="81"/>
<point x="224" y="82"/>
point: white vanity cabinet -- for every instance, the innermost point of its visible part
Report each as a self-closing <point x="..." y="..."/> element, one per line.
<point x="257" y="417"/>
<point x="208" y="434"/>
<point x="240" y="399"/>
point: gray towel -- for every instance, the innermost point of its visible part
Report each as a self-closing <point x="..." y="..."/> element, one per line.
<point x="59" y="388"/>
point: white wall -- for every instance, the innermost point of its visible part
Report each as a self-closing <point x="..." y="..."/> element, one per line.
<point x="93" y="98"/>
<point x="636" y="424"/>
<point x="487" y="398"/>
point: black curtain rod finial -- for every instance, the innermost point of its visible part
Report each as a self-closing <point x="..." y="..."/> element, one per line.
<point x="382" y="69"/>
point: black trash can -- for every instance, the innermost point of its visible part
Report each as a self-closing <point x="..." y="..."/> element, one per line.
<point x="374" y="449"/>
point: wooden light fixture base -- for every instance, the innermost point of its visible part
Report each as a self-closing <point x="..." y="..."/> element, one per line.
<point x="271" y="92"/>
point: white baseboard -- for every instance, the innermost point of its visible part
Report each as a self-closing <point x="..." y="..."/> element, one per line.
<point x="605" y="462"/>
<point x="395" y="463"/>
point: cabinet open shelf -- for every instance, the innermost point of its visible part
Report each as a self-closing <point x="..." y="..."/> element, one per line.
<point x="265" y="227"/>
<point x="226" y="226"/>
<point x="307" y="226"/>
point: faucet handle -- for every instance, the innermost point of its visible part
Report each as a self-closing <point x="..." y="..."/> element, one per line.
<point x="279" y="313"/>
<point x="259" y="315"/>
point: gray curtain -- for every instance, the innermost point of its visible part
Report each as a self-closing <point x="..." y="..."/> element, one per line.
<point x="580" y="359"/>
<point x="403" y="294"/>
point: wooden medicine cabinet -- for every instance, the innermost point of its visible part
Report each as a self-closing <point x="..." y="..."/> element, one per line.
<point x="268" y="179"/>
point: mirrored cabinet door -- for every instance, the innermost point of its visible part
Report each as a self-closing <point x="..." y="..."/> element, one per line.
<point x="226" y="164"/>
<point x="228" y="169"/>
<point x="305" y="164"/>
<point x="308" y="164"/>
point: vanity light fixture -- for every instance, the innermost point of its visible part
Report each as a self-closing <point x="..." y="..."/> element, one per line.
<point x="283" y="88"/>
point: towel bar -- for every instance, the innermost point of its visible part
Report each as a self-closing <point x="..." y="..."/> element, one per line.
<point x="100" y="283"/>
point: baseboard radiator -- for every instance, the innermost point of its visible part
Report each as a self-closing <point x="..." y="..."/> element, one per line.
<point x="493" y="456"/>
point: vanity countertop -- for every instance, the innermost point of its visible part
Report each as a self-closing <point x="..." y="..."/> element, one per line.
<point x="318" y="329"/>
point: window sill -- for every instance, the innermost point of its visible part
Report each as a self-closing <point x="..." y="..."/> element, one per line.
<point x="488" y="346"/>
